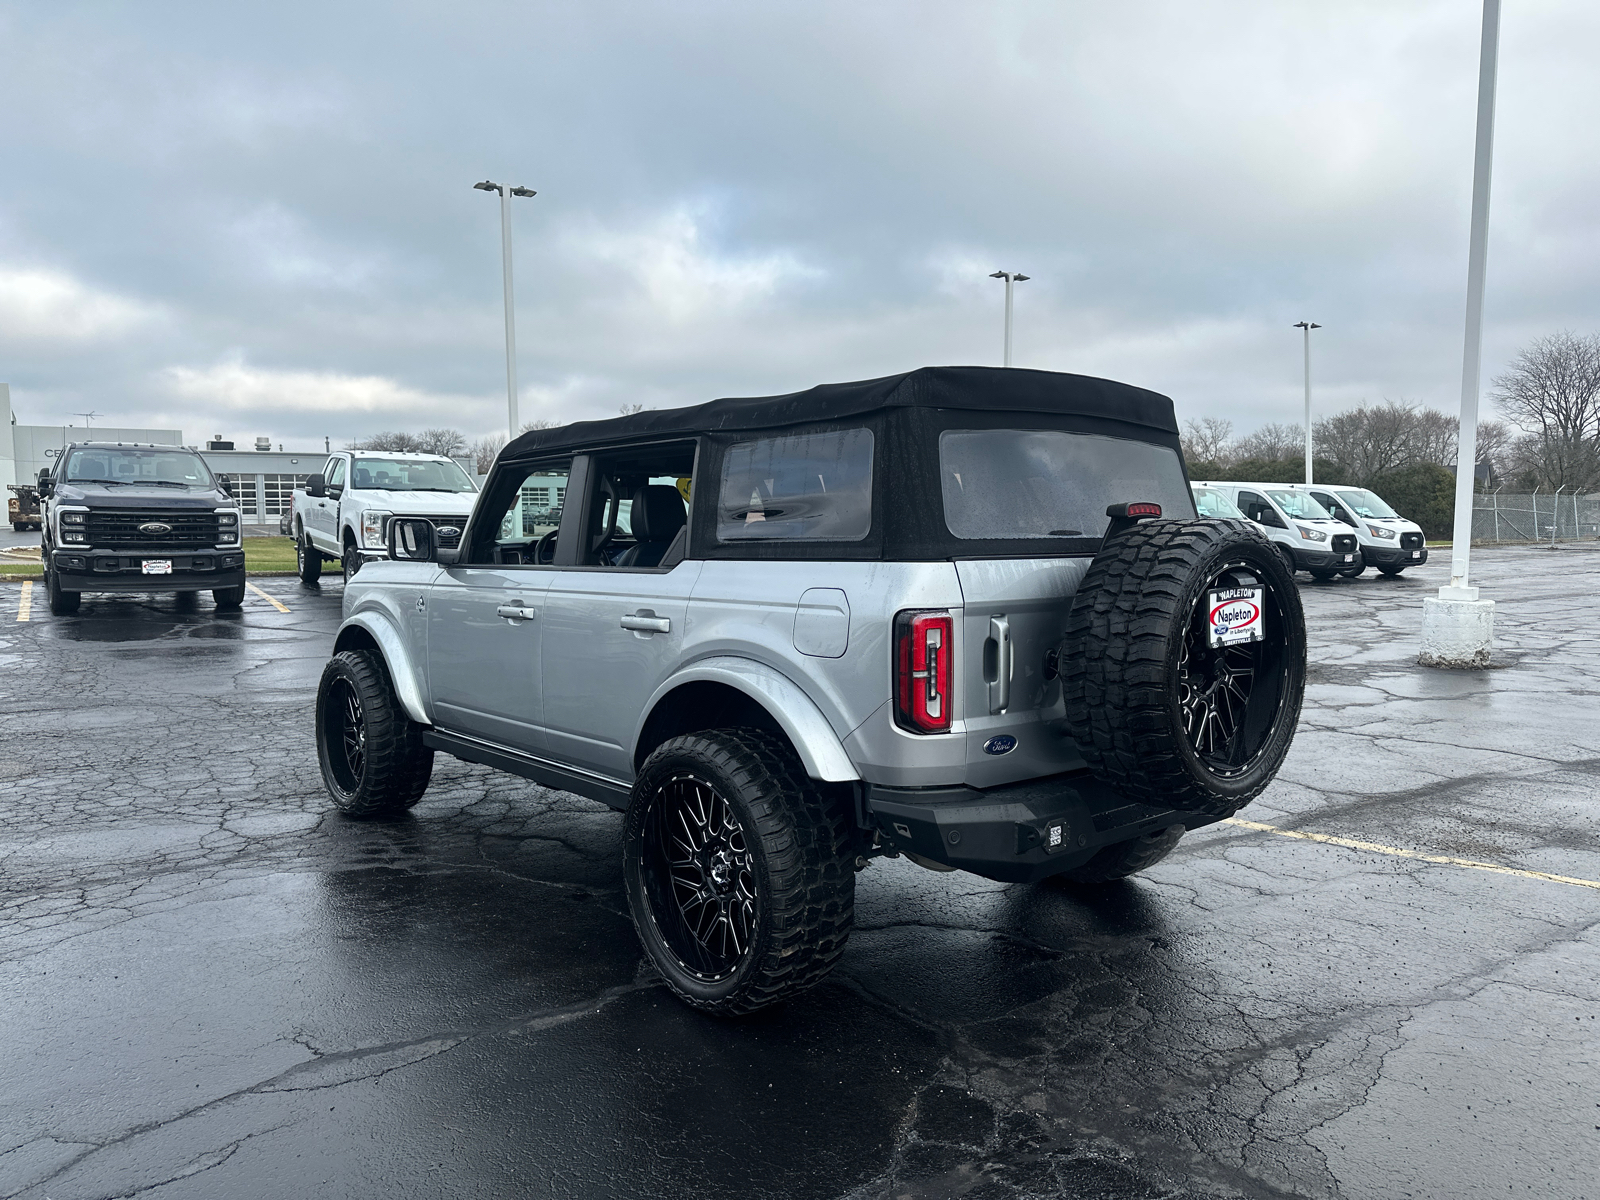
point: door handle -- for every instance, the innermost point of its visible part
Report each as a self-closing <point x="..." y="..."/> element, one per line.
<point x="516" y="612"/>
<point x="646" y="621"/>
<point x="998" y="669"/>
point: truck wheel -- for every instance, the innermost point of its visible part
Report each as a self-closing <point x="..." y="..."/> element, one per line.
<point x="1324" y="576"/>
<point x="351" y="561"/>
<point x="1156" y="711"/>
<point x="1288" y="560"/>
<point x="739" y="869"/>
<point x="1121" y="859"/>
<point x="1390" y="572"/>
<point x="228" y="599"/>
<point x="1354" y="572"/>
<point x="372" y="757"/>
<point x="62" y="604"/>
<point x="307" y="562"/>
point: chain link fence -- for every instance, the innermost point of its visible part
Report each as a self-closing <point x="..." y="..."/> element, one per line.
<point x="1539" y="517"/>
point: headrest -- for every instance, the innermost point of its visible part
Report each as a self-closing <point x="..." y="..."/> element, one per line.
<point x="657" y="513"/>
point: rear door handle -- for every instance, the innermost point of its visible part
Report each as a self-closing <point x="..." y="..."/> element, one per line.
<point x="516" y="612"/>
<point x="646" y="621"/>
<point x="999" y="672"/>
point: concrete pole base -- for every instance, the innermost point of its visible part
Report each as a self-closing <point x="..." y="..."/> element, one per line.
<point x="1457" y="633"/>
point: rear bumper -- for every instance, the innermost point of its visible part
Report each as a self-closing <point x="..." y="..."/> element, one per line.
<point x="1394" y="556"/>
<point x="1326" y="560"/>
<point x="111" y="571"/>
<point x="1015" y="834"/>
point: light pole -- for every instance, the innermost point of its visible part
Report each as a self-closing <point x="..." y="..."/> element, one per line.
<point x="506" y="192"/>
<point x="1308" y="326"/>
<point x="1457" y="627"/>
<point x="1010" y="277"/>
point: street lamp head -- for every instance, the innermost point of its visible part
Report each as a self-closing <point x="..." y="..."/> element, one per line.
<point x="522" y="191"/>
<point x="1307" y="325"/>
<point x="998" y="275"/>
<point x="1019" y="278"/>
<point x="487" y="186"/>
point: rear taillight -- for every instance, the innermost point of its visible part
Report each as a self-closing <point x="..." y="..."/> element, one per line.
<point x="922" y="670"/>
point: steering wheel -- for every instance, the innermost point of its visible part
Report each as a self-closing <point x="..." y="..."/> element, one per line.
<point x="540" y="554"/>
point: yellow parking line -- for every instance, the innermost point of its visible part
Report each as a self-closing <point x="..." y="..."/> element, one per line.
<point x="275" y="604"/>
<point x="25" y="601"/>
<point x="1398" y="852"/>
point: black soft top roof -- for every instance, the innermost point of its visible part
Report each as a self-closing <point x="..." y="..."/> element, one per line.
<point x="999" y="389"/>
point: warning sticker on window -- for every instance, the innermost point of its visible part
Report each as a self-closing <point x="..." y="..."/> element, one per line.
<point x="1236" y="616"/>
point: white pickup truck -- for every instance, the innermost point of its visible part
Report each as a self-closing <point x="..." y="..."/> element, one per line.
<point x="343" y="513"/>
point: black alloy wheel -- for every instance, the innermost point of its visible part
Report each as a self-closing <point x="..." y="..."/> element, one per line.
<point x="1230" y="695"/>
<point x="307" y="562"/>
<point x="700" y="877"/>
<point x="373" y="761"/>
<point x="739" y="869"/>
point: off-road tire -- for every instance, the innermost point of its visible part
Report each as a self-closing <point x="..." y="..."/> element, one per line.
<point x="1127" y="673"/>
<point x="62" y="603"/>
<point x="800" y="839"/>
<point x="1122" y="859"/>
<point x="395" y="765"/>
<point x="307" y="562"/>
<point x="228" y="599"/>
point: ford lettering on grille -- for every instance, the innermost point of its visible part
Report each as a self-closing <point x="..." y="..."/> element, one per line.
<point x="155" y="527"/>
<point x="449" y="531"/>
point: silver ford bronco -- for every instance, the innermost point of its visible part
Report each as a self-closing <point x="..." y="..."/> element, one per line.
<point x="964" y="615"/>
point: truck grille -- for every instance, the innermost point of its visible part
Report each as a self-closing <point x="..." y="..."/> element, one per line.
<point x="194" y="527"/>
<point x="1411" y="541"/>
<point x="445" y="541"/>
<point x="1344" y="543"/>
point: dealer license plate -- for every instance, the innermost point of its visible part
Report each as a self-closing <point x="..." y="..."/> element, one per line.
<point x="1416" y="554"/>
<point x="1349" y="558"/>
<point x="156" y="566"/>
<point x="1234" y="615"/>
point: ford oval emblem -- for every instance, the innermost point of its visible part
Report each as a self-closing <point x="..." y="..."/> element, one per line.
<point x="449" y="531"/>
<point x="155" y="527"/>
<point x="1002" y="743"/>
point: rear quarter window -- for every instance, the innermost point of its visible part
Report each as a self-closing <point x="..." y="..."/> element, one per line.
<point x="1016" y="484"/>
<point x="807" y="486"/>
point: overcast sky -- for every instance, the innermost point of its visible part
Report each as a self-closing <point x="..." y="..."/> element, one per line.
<point x="259" y="219"/>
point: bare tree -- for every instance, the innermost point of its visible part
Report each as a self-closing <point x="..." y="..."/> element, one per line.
<point x="1271" y="443"/>
<point x="404" y="443"/>
<point x="1206" y="440"/>
<point x="628" y="410"/>
<point x="442" y="441"/>
<point x="1552" y="393"/>
<point x="485" y="449"/>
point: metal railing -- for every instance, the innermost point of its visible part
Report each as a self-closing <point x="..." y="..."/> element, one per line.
<point x="1535" y="517"/>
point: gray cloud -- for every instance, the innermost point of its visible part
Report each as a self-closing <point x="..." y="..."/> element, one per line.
<point x="260" y="220"/>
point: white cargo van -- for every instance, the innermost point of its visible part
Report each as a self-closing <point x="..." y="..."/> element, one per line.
<point x="1304" y="532"/>
<point x="1388" y="541"/>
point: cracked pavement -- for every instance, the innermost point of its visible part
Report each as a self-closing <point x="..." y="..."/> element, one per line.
<point x="212" y="986"/>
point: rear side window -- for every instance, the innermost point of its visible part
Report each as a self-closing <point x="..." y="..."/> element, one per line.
<point x="808" y="486"/>
<point x="1045" y="483"/>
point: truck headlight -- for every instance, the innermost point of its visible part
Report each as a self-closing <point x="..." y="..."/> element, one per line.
<point x="1312" y="535"/>
<point x="373" y="522"/>
<point x="1379" y="531"/>
<point x="227" y="529"/>
<point x="69" y="534"/>
<point x="74" y="518"/>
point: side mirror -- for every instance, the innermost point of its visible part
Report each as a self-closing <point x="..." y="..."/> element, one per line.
<point x="316" y="485"/>
<point x="44" y="482"/>
<point x="225" y="484"/>
<point x="411" y="540"/>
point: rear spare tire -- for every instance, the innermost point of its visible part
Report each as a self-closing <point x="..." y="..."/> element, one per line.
<point x="1158" y="712"/>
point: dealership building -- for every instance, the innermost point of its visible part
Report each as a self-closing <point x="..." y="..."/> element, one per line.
<point x="262" y="478"/>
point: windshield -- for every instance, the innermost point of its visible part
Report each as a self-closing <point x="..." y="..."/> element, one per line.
<point x="1047" y="483"/>
<point x="411" y="475"/>
<point x="1368" y="504"/>
<point x="1215" y="504"/>
<point x="151" y="467"/>
<point x="1299" y="506"/>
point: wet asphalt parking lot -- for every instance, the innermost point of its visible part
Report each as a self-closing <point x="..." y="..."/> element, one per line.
<point x="213" y="987"/>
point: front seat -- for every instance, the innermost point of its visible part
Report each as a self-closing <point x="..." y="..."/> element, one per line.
<point x="656" y="516"/>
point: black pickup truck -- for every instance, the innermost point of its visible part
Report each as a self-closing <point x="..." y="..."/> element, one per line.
<point x="124" y="517"/>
